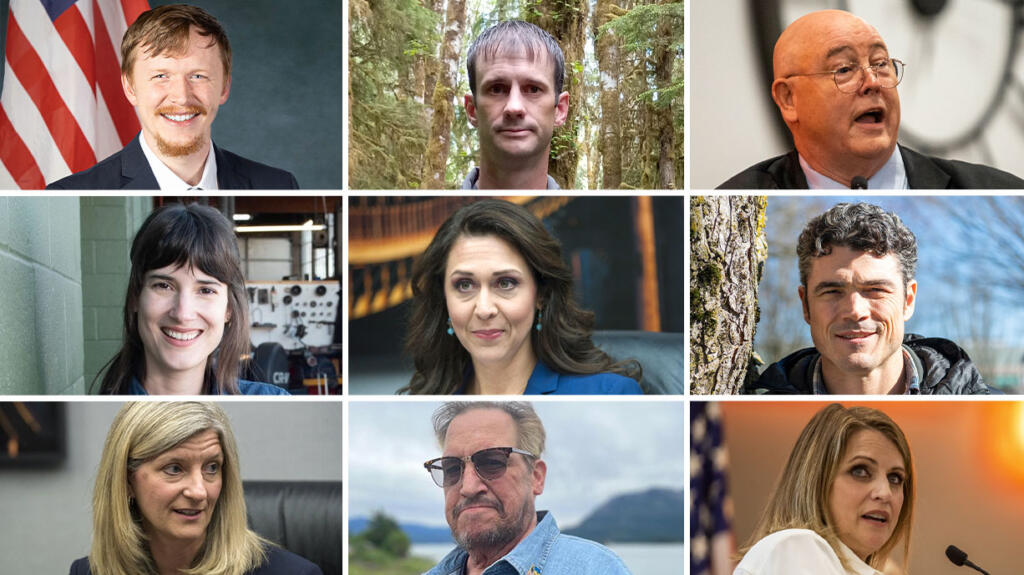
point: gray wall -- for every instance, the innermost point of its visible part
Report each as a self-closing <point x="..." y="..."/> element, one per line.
<point x="41" y="347"/>
<point x="108" y="228"/>
<point x="46" y="517"/>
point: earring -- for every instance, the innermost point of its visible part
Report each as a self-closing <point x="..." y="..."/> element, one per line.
<point x="538" y="320"/>
<point x="451" y="330"/>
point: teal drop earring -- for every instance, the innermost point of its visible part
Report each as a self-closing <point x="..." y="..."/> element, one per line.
<point x="538" y="321"/>
<point x="451" y="330"/>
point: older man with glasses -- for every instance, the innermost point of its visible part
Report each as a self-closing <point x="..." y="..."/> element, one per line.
<point x="491" y="471"/>
<point x="835" y="86"/>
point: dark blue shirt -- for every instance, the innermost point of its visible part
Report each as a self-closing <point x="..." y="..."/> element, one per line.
<point x="545" y="381"/>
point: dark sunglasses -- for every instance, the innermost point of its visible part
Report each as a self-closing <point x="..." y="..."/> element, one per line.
<point x="489" y="464"/>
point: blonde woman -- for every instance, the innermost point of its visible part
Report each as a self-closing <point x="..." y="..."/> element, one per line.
<point x="168" y="499"/>
<point x="844" y="502"/>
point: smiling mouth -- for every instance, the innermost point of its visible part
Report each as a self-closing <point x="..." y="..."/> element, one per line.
<point x="488" y="333"/>
<point x="188" y="512"/>
<point x="181" y="335"/>
<point x="855" y="335"/>
<point x="876" y="517"/>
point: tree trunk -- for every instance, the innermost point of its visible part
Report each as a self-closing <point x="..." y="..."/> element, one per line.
<point x="566" y="21"/>
<point x="727" y="254"/>
<point x="664" y="57"/>
<point x="607" y="50"/>
<point x="438" y="143"/>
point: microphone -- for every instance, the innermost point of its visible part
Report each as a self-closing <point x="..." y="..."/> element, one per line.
<point x="859" y="183"/>
<point x="959" y="558"/>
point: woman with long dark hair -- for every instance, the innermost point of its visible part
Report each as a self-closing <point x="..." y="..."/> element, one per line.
<point x="186" y="317"/>
<point x="493" y="313"/>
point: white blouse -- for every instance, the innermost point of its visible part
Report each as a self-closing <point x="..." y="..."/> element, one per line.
<point x="799" y="552"/>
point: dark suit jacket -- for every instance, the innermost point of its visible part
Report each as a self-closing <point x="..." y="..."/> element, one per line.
<point x="923" y="173"/>
<point x="279" y="562"/>
<point x="129" y="170"/>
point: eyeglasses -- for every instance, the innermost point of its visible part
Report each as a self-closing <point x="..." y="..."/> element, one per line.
<point x="489" y="464"/>
<point x="850" y="78"/>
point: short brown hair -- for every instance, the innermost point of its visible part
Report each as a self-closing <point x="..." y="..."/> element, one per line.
<point x="166" y="30"/>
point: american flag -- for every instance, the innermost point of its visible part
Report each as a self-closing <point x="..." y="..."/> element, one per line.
<point x="62" y="107"/>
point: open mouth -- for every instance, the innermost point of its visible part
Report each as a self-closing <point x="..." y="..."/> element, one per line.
<point x="873" y="116"/>
<point x="879" y="518"/>
<point x="855" y="335"/>
<point x="180" y="335"/>
<point x="188" y="512"/>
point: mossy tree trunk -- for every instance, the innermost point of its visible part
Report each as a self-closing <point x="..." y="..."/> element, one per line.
<point x="607" y="50"/>
<point x="439" y="141"/>
<point x="566" y="20"/>
<point x="727" y="254"/>
<point x="664" y="58"/>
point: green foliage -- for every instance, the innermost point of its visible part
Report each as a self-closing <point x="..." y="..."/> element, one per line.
<point x="384" y="533"/>
<point x="383" y="549"/>
<point x="637" y="27"/>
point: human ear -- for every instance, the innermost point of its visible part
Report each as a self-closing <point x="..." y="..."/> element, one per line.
<point x="911" y="299"/>
<point x="540" y="471"/>
<point x="129" y="89"/>
<point x="561" y="108"/>
<point x="782" y="93"/>
<point x="470" y="105"/>
<point x="802" y="291"/>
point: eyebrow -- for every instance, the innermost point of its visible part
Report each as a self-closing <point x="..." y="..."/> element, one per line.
<point x="847" y="48"/>
<point x="497" y="273"/>
<point x="872" y="460"/>
<point x="867" y="283"/>
<point x="171" y="279"/>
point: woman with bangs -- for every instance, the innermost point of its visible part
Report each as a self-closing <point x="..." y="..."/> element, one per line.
<point x="168" y="499"/>
<point x="186" y="318"/>
<point x="844" y="503"/>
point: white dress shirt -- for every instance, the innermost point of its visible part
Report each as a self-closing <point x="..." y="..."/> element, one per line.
<point x="799" y="552"/>
<point x="169" y="181"/>
<point x="892" y="176"/>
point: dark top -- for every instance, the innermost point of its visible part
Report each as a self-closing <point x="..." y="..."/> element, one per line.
<point x="129" y="170"/>
<point x="923" y="173"/>
<point x="944" y="368"/>
<point x="244" y="388"/>
<point x="279" y="562"/>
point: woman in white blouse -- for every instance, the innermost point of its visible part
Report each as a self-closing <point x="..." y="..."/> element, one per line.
<point x="844" y="502"/>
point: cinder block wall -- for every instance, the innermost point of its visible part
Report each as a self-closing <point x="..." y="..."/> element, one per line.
<point x="41" y="348"/>
<point x="108" y="227"/>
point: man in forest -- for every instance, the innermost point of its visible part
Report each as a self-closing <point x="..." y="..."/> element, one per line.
<point x="515" y="74"/>
<point x="176" y="72"/>
<point x="835" y="86"/>
<point x="857" y="287"/>
<point x="491" y="472"/>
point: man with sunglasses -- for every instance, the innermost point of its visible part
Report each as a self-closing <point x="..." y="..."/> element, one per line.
<point x="491" y="471"/>
<point x="835" y="86"/>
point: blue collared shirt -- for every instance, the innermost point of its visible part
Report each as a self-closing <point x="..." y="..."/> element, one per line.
<point x="545" y="551"/>
<point x="545" y="381"/>
<point x="892" y="176"/>
<point x="472" y="181"/>
<point x="244" y="388"/>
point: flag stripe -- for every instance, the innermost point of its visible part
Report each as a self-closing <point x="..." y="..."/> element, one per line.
<point x="108" y="77"/>
<point x="16" y="157"/>
<point x="75" y="33"/>
<point x="28" y="122"/>
<point x="131" y="9"/>
<point x="27" y="66"/>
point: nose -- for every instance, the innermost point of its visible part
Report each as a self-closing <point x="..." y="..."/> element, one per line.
<point x="514" y="104"/>
<point x="871" y="81"/>
<point x="184" y="307"/>
<point x="195" y="486"/>
<point x="485" y="308"/>
<point x="857" y="307"/>
<point x="178" y="90"/>
<point x="881" y="489"/>
<point x="471" y="482"/>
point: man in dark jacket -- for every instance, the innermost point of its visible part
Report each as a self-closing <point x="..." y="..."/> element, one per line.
<point x="857" y="287"/>
<point x="835" y="86"/>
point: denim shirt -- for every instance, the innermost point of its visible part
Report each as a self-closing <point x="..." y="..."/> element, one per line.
<point x="545" y="551"/>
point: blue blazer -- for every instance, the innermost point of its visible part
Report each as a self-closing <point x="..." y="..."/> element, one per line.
<point x="129" y="170"/>
<point x="545" y="381"/>
<point x="279" y="562"/>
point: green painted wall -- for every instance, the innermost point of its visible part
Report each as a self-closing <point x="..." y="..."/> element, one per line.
<point x="108" y="227"/>
<point x="41" y="345"/>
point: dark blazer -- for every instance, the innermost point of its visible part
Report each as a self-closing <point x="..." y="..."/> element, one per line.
<point x="129" y="170"/>
<point x="279" y="562"/>
<point x="923" y="173"/>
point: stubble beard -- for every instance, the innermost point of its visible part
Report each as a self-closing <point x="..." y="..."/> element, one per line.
<point x="500" y="535"/>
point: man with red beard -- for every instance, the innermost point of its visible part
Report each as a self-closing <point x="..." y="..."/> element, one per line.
<point x="516" y="72"/>
<point x="835" y="86"/>
<point x="857" y="286"/>
<point x="491" y="472"/>
<point x="176" y="72"/>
